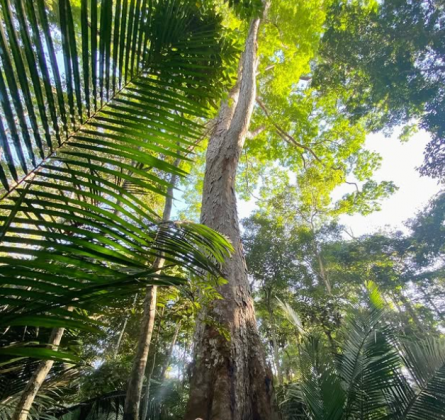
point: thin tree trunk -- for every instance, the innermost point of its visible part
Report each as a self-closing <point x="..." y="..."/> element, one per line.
<point x="170" y="352"/>
<point x="124" y="326"/>
<point x="323" y="273"/>
<point x="149" y="375"/>
<point x="32" y="388"/>
<point x="230" y="379"/>
<point x="276" y="354"/>
<point x="134" y="389"/>
<point x="273" y="331"/>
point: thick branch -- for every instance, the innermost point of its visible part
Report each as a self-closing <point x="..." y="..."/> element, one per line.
<point x="247" y="90"/>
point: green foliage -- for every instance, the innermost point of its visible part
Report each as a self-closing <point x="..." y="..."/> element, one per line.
<point x="368" y="379"/>
<point x="167" y="401"/>
<point x="103" y="107"/>
<point x="60" y="385"/>
<point x="246" y="9"/>
<point x="428" y="230"/>
<point x="384" y="61"/>
<point x="104" y="379"/>
<point x="99" y="99"/>
<point x="299" y="254"/>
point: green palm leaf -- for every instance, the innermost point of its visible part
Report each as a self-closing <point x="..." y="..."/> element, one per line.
<point x="367" y="366"/>
<point x="95" y="95"/>
<point x="424" y="398"/>
<point x="321" y="388"/>
<point x="366" y="382"/>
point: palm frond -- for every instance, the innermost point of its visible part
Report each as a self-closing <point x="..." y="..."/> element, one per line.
<point x="110" y="405"/>
<point x="163" y="399"/>
<point x="366" y="376"/>
<point x="61" y="382"/>
<point x="321" y="388"/>
<point x="424" y="398"/>
<point x="291" y="403"/>
<point x="95" y="94"/>
<point x="292" y="316"/>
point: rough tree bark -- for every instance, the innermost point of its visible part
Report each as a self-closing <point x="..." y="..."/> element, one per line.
<point x="32" y="388"/>
<point x="134" y="388"/>
<point x="230" y="379"/>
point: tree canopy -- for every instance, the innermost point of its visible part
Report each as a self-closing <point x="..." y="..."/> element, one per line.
<point x="113" y="300"/>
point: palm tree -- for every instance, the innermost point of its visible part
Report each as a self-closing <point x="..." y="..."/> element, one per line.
<point x="98" y="98"/>
<point x="377" y="375"/>
<point x="92" y="113"/>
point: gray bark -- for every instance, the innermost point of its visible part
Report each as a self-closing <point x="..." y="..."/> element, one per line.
<point x="134" y="389"/>
<point x="32" y="388"/>
<point x="149" y="374"/>
<point x="230" y="379"/>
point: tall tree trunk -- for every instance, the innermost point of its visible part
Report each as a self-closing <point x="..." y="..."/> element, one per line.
<point x="230" y="379"/>
<point x="134" y="389"/>
<point x="32" y="388"/>
<point x="149" y="374"/>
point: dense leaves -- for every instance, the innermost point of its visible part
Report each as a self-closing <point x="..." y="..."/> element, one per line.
<point x="108" y="95"/>
<point x="385" y="61"/>
<point x="102" y="104"/>
<point x="369" y="378"/>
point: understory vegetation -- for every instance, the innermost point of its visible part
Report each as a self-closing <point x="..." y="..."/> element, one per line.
<point x="130" y="289"/>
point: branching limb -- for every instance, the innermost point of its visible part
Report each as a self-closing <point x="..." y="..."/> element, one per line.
<point x="353" y="183"/>
<point x="252" y="134"/>
<point x="283" y="134"/>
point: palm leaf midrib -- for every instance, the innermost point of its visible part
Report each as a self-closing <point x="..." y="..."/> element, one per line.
<point x="38" y="167"/>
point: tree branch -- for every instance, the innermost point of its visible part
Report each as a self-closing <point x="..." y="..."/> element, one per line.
<point x="252" y="134"/>
<point x="283" y="134"/>
<point x="353" y="183"/>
